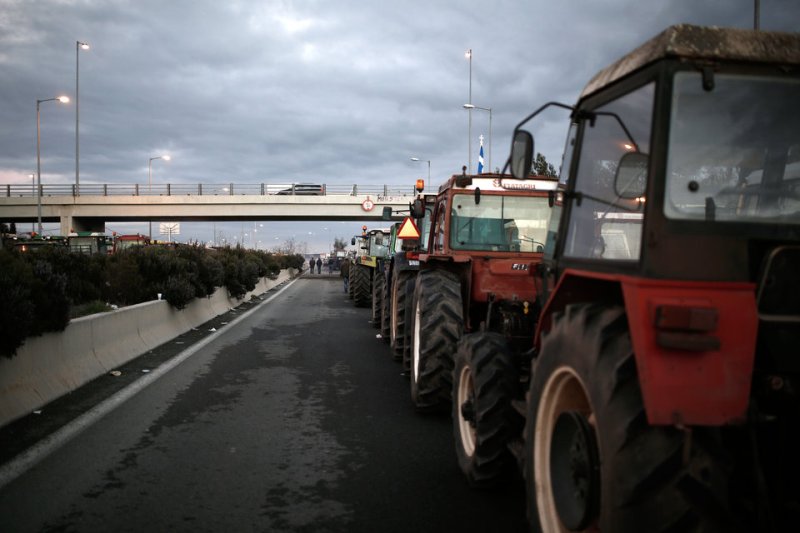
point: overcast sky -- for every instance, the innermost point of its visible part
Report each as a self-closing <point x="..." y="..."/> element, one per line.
<point x="331" y="91"/>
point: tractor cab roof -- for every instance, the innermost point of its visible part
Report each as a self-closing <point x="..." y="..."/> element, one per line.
<point x="685" y="41"/>
<point x="498" y="182"/>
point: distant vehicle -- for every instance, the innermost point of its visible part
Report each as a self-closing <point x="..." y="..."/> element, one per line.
<point x="307" y="189"/>
<point x="90" y="242"/>
<point x="34" y="242"/>
<point x="124" y="242"/>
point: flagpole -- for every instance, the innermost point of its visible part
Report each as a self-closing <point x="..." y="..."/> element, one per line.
<point x="469" y="129"/>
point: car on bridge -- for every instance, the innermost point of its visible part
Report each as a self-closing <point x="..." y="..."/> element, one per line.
<point x="306" y="189"/>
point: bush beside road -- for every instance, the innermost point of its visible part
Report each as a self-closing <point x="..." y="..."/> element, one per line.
<point x="38" y="290"/>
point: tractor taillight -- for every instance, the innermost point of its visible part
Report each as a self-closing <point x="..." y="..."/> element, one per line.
<point x="686" y="328"/>
<point x="676" y="317"/>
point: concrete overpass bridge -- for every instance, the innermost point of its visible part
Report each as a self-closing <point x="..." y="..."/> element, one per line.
<point x="90" y="207"/>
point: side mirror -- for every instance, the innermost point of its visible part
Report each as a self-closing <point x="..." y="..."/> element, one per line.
<point x="521" y="154"/>
<point x="417" y="209"/>
<point x="630" y="179"/>
<point x="387" y="213"/>
<point x="353" y="241"/>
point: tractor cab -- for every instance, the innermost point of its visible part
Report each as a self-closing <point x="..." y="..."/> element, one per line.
<point x="490" y="213"/>
<point x="682" y="160"/>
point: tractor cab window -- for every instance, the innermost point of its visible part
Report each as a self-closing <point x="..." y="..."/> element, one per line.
<point x="606" y="211"/>
<point x="734" y="150"/>
<point x="558" y="200"/>
<point x="424" y="225"/>
<point x="397" y="245"/>
<point x="498" y="223"/>
<point x="438" y="235"/>
<point x="379" y="244"/>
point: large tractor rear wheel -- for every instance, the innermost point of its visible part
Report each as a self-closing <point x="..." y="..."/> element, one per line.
<point x="385" y="318"/>
<point x="361" y="285"/>
<point x="407" y="332"/>
<point x="350" y="274"/>
<point x="592" y="461"/>
<point x="485" y="382"/>
<point x="397" y="312"/>
<point x="378" y="287"/>
<point x="438" y="324"/>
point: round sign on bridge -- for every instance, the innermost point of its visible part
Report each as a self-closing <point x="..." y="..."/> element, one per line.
<point x="367" y="205"/>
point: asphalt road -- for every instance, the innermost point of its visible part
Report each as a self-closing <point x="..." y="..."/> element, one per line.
<point x="293" y="419"/>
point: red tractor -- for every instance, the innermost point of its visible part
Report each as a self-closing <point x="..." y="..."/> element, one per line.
<point x="486" y="238"/>
<point x="664" y="389"/>
<point x="125" y="242"/>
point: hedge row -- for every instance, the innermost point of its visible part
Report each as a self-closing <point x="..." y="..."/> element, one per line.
<point x="38" y="289"/>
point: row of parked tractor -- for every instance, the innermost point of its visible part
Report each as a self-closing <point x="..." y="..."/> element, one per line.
<point x="82" y="242"/>
<point x="625" y="335"/>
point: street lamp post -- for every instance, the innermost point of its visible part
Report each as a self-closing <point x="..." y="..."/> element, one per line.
<point x="470" y="107"/>
<point x="33" y="193"/>
<point x="78" y="47"/>
<point x="63" y="100"/>
<point x="149" y="180"/>
<point x="429" y="166"/>
<point x="468" y="55"/>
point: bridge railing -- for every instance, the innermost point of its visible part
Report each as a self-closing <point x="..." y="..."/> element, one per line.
<point x="205" y="189"/>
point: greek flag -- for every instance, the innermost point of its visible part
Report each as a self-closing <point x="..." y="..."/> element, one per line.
<point x="480" y="159"/>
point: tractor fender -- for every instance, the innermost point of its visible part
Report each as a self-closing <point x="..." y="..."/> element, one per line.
<point x="694" y="342"/>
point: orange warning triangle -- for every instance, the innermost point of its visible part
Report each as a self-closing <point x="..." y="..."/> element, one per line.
<point x="408" y="229"/>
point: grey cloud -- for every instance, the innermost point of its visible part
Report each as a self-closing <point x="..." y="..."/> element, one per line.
<point x="343" y="91"/>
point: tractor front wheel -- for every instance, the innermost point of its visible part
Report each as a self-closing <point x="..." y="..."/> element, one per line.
<point x="485" y="382"/>
<point x="397" y="311"/>
<point x="438" y="324"/>
<point x="361" y="285"/>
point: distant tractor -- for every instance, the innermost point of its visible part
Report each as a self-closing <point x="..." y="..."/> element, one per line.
<point x="366" y="278"/>
<point x="33" y="242"/>
<point x="90" y="242"/>
<point x="401" y="273"/>
<point x="664" y="390"/>
<point x="126" y="242"/>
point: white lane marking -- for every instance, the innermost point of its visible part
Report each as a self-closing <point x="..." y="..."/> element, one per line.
<point x="36" y="453"/>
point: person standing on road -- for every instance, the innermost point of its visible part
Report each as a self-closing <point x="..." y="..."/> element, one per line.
<point x="311" y="265"/>
<point x="319" y="265"/>
<point x="344" y="272"/>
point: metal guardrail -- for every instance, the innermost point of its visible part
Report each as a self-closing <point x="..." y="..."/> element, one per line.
<point x="203" y="189"/>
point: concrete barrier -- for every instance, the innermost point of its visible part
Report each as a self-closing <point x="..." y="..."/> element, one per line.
<point x="54" y="364"/>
